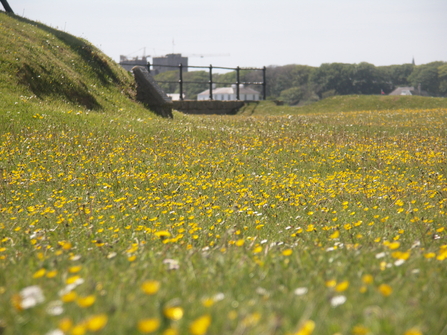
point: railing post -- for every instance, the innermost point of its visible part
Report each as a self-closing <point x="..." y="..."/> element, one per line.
<point x="211" y="82"/>
<point x="180" y="81"/>
<point x="264" y="83"/>
<point x="237" y="83"/>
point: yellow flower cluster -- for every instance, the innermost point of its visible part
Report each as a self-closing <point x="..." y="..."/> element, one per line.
<point x="101" y="210"/>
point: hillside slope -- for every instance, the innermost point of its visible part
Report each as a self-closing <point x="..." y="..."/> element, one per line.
<point x="40" y="65"/>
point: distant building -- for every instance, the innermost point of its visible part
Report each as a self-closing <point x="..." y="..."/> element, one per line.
<point x="128" y="64"/>
<point x="175" y="96"/>
<point x="172" y="60"/>
<point x="229" y="93"/>
<point x="409" y="91"/>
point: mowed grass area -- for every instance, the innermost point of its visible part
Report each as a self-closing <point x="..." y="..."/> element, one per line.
<point x="122" y="223"/>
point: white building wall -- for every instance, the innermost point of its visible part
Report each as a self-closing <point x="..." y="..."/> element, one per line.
<point x="228" y="97"/>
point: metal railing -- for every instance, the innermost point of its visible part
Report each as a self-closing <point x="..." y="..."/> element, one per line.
<point x="211" y="82"/>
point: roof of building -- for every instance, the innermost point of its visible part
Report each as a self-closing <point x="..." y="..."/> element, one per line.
<point x="230" y="90"/>
<point x="409" y="91"/>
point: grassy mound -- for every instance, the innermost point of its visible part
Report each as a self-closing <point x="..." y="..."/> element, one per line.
<point x="46" y="68"/>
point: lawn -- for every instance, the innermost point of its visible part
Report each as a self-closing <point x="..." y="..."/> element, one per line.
<point x="323" y="219"/>
<point x="124" y="223"/>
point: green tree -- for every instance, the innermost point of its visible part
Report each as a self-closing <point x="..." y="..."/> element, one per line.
<point x="195" y="82"/>
<point x="442" y="75"/>
<point x="292" y="96"/>
<point x="225" y="79"/>
<point x="168" y="81"/>
<point x="280" y="78"/>
<point x="427" y="75"/>
<point x="396" y="75"/>
<point x="334" y="76"/>
<point x="366" y="79"/>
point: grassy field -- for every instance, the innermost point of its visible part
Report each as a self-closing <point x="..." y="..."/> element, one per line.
<point x="346" y="103"/>
<point x="114" y="221"/>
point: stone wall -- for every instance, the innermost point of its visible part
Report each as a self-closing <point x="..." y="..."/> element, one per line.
<point x="149" y="93"/>
<point x="207" y="107"/>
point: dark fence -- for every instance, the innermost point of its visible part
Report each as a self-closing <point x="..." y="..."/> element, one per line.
<point x="211" y="82"/>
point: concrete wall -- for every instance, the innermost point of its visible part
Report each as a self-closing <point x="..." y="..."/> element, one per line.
<point x="208" y="107"/>
<point x="149" y="93"/>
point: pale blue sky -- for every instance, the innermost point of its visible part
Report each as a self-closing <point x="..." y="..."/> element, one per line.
<point x="255" y="32"/>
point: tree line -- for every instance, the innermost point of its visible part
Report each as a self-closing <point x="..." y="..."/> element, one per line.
<point x="301" y="84"/>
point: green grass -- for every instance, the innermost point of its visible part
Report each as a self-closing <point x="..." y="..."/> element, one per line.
<point x="325" y="223"/>
<point x="347" y="103"/>
<point x="44" y="69"/>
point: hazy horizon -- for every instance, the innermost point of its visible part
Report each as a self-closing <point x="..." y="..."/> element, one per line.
<point x="251" y="33"/>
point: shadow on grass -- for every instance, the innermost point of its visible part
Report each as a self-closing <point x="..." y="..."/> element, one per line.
<point x="40" y="81"/>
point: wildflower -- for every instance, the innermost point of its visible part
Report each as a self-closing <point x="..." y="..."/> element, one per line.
<point x="401" y="255"/>
<point x="162" y="234"/>
<point x="360" y="330"/>
<point x="200" y="325"/>
<point x="300" y="291"/>
<point x="39" y="273"/>
<point x="207" y="302"/>
<point x="173" y="313"/>
<point x="367" y="279"/>
<point x="335" y="234"/>
<point x="307" y="328"/>
<point x="240" y="242"/>
<point x="69" y="296"/>
<point x="148" y="325"/>
<point x="78" y="330"/>
<point x="331" y="283"/>
<point x="338" y="300"/>
<point x="71" y="286"/>
<point x="51" y="274"/>
<point x="111" y="255"/>
<point x="65" y="324"/>
<point x="257" y="249"/>
<point x="150" y="287"/>
<point x="171" y="263"/>
<point x="385" y="289"/>
<point x="251" y="319"/>
<point x="394" y="245"/>
<point x="55" y="308"/>
<point x="219" y="296"/>
<point x="73" y="279"/>
<point x="86" y="301"/>
<point x="30" y="296"/>
<point x="287" y="252"/>
<point x="170" y="331"/>
<point x="55" y="332"/>
<point x="399" y="262"/>
<point x="75" y="269"/>
<point x="413" y="331"/>
<point x="96" y="322"/>
<point x="429" y="255"/>
<point x="65" y="245"/>
<point x="342" y="286"/>
<point x="75" y="257"/>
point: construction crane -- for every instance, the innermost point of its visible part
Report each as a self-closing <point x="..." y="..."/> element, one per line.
<point x="206" y="55"/>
